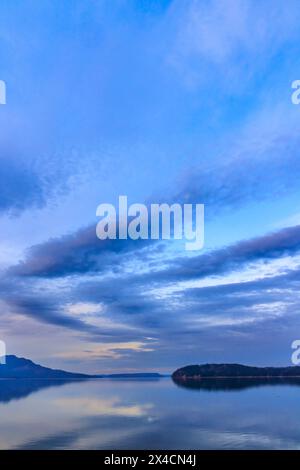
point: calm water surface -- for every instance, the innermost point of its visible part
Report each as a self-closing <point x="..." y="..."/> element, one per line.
<point x="132" y="414"/>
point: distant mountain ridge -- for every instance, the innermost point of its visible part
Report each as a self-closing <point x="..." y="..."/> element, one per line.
<point x="17" y="367"/>
<point x="197" y="372"/>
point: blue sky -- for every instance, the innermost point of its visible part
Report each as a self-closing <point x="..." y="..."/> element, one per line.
<point x="183" y="100"/>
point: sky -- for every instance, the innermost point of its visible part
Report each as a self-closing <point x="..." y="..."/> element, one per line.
<point x="181" y="101"/>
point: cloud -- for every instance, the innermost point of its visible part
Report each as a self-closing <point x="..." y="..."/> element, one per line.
<point x="229" y="39"/>
<point x="20" y="187"/>
<point x="78" y="253"/>
<point x="183" y="322"/>
<point x="84" y="308"/>
<point x="233" y="257"/>
<point x="124" y="295"/>
<point x="47" y="310"/>
<point x="35" y="173"/>
<point x="109" y="350"/>
<point x="257" y="168"/>
<point x="139" y="300"/>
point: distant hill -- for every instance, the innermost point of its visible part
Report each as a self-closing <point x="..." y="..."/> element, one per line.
<point x="17" y="367"/>
<point x="21" y="368"/>
<point x="198" y="372"/>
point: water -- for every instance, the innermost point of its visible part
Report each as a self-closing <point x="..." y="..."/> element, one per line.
<point x="148" y="414"/>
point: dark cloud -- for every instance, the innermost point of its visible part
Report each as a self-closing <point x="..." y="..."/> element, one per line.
<point x="127" y="297"/>
<point x="32" y="176"/>
<point x="20" y="187"/>
<point x="50" y="308"/>
<point x="231" y="258"/>
<point x="82" y="252"/>
<point x="78" y="253"/>
<point x="184" y="322"/>
<point x="255" y="174"/>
